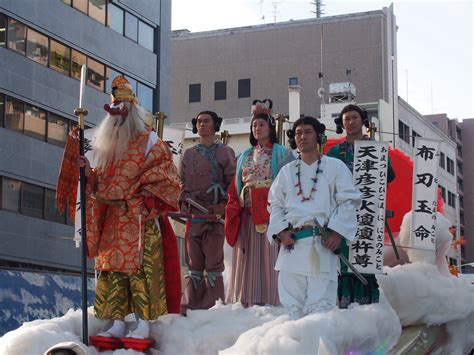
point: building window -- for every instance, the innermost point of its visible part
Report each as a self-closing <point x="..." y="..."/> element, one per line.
<point x="413" y="137"/>
<point x="110" y="75"/>
<point x="10" y="194"/>
<point x="2" y="110"/>
<point x="145" y="95"/>
<point x="3" y="30"/>
<point x="51" y="213"/>
<point x="131" y="27"/>
<point x="442" y="160"/>
<point x="145" y="35"/>
<point x="14" y="115"/>
<point x="77" y="61"/>
<point x="60" y="57"/>
<point x="220" y="90"/>
<point x="37" y="47"/>
<point x="404" y="131"/>
<point x="16" y="36"/>
<point x="459" y="147"/>
<point x="95" y="74"/>
<point x="451" y="200"/>
<point x="115" y="18"/>
<point x="195" y="93"/>
<point x="460" y="171"/>
<point x="57" y="129"/>
<point x="293" y="81"/>
<point x="32" y="198"/>
<point x="81" y="5"/>
<point x="244" y="88"/>
<point x="436" y="124"/>
<point x="35" y="122"/>
<point x="450" y="166"/>
<point x="97" y="10"/>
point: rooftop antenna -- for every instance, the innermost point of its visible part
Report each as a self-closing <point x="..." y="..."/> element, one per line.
<point x="262" y="16"/>
<point x="275" y="11"/>
<point x="319" y="8"/>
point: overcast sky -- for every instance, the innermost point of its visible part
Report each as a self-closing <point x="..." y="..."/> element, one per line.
<point x="435" y="41"/>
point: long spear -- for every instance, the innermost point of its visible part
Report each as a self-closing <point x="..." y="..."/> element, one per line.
<point x="80" y="113"/>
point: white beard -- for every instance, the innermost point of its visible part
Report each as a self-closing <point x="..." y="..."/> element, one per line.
<point x="113" y="136"/>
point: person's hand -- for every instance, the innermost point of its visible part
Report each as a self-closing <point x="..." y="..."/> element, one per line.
<point x="218" y="210"/>
<point x="83" y="162"/>
<point x="286" y="239"/>
<point x="332" y="241"/>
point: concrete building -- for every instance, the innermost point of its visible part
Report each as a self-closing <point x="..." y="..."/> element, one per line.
<point x="42" y="48"/>
<point x="463" y="168"/>
<point x="224" y="70"/>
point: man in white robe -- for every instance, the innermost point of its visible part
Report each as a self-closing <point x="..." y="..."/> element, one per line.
<point x="311" y="188"/>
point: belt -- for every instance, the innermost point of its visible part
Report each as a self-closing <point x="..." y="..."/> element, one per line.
<point x="305" y="232"/>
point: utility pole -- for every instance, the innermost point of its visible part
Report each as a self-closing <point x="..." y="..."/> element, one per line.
<point x="319" y="8"/>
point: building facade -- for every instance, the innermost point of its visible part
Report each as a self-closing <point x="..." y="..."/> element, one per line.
<point x="42" y="48"/>
<point x="224" y="70"/>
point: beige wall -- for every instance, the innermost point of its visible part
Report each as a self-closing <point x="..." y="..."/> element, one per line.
<point x="270" y="54"/>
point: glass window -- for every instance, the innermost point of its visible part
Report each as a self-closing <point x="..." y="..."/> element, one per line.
<point x="145" y="95"/>
<point x="3" y="30"/>
<point x="32" y="200"/>
<point x="95" y="74"/>
<point x="131" y="26"/>
<point x="110" y="75"/>
<point x="60" y="59"/>
<point x="14" y="114"/>
<point x="115" y="18"/>
<point x="57" y="129"/>
<point x="11" y="194"/>
<point x="81" y="5"/>
<point x="97" y="10"/>
<point x="37" y="47"/>
<point x="293" y="81"/>
<point x="195" y="93"/>
<point x="442" y="160"/>
<point x="77" y="60"/>
<point x="51" y="213"/>
<point x="35" y="122"/>
<point x="2" y="110"/>
<point x="244" y="88"/>
<point x="145" y="35"/>
<point x="220" y="90"/>
<point x="16" y="36"/>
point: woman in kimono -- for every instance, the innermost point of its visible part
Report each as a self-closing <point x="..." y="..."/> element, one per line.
<point x="253" y="279"/>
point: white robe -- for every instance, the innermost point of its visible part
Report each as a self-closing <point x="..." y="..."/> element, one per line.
<point x="333" y="204"/>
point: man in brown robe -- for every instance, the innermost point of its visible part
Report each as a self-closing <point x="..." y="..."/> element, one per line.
<point x="206" y="171"/>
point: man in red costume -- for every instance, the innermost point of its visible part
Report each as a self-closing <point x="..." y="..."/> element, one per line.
<point x="133" y="183"/>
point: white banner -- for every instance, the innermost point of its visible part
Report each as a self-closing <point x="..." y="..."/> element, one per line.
<point x="370" y="176"/>
<point x="425" y="193"/>
<point x="174" y="137"/>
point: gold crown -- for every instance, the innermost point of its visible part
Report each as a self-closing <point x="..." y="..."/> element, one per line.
<point x="122" y="90"/>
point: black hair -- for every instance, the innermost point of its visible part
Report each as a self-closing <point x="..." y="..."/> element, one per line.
<point x="351" y="107"/>
<point x="319" y="128"/>
<point x="215" y="118"/>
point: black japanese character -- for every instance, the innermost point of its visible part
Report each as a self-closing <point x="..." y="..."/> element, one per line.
<point x="425" y="152"/>
<point x="425" y="179"/>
